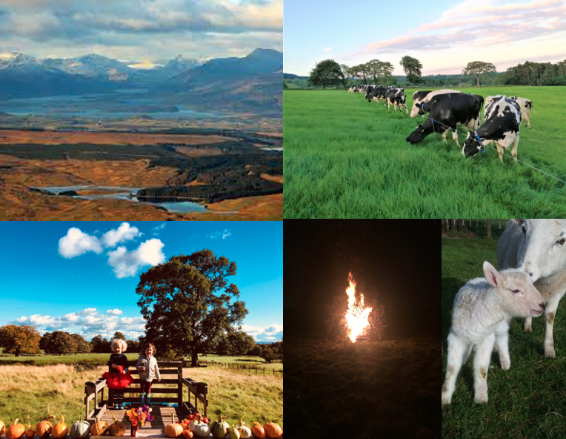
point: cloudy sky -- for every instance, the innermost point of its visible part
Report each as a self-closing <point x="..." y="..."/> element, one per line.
<point x="140" y="30"/>
<point x="444" y="35"/>
<point x="81" y="277"/>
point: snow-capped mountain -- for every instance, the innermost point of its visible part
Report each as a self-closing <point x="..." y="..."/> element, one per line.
<point x="179" y="65"/>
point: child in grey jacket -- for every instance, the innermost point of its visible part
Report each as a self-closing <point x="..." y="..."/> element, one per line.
<point x="147" y="366"/>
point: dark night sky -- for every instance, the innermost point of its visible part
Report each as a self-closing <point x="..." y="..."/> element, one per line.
<point x="400" y="258"/>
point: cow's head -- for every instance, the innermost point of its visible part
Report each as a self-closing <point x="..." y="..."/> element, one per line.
<point x="542" y="251"/>
<point x="472" y="145"/>
<point x="415" y="109"/>
<point x="421" y="108"/>
<point x="420" y="133"/>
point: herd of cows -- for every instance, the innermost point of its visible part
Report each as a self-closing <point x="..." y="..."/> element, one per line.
<point x="447" y="109"/>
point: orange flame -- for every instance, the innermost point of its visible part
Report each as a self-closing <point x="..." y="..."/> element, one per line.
<point x="357" y="315"/>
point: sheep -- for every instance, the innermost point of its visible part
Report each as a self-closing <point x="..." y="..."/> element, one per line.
<point x="538" y="248"/>
<point x="480" y="317"/>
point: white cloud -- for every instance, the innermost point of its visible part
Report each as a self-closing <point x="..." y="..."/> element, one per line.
<point x="126" y="264"/>
<point x="76" y="243"/>
<point x="114" y="312"/>
<point x="220" y="234"/>
<point x="268" y="333"/>
<point x="122" y="234"/>
<point x="87" y="324"/>
<point x="157" y="229"/>
<point x="88" y="312"/>
<point x="327" y="49"/>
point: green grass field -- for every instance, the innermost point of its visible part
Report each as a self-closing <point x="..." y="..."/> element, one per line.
<point x="526" y="401"/>
<point x="347" y="158"/>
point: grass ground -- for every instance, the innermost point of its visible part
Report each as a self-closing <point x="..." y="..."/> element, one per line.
<point x="526" y="401"/>
<point x="368" y="390"/>
<point x="347" y="158"/>
<point x="242" y="360"/>
<point x="59" y="390"/>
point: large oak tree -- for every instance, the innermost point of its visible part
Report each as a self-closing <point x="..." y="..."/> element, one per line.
<point x="325" y="73"/>
<point x="412" y="68"/>
<point x="478" y="68"/>
<point x="187" y="303"/>
<point x="20" y="339"/>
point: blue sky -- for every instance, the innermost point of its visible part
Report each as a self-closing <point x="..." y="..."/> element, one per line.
<point x="81" y="277"/>
<point x="444" y="35"/>
<point x="145" y="31"/>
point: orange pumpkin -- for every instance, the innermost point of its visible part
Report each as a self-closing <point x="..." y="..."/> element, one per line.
<point x="99" y="428"/>
<point x="60" y="430"/>
<point x="187" y="434"/>
<point x="15" y="431"/>
<point x="272" y="430"/>
<point x="258" y="430"/>
<point x="30" y="432"/>
<point x="43" y="429"/>
<point x="173" y="429"/>
<point x="117" y="428"/>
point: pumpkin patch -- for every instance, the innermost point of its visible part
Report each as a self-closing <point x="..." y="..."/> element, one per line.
<point x="272" y="430"/>
<point x="117" y="428"/>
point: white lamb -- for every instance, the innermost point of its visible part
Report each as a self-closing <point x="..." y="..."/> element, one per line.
<point x="482" y="309"/>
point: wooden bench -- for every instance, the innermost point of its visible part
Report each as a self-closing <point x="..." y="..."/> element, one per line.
<point x="97" y="405"/>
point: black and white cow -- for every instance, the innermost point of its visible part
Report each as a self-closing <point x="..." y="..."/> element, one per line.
<point x="526" y="106"/>
<point x="377" y="93"/>
<point x="447" y="111"/>
<point x="421" y="97"/>
<point x="502" y="121"/>
<point x="396" y="97"/>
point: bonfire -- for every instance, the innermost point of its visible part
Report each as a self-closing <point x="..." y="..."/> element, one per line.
<point x="357" y="314"/>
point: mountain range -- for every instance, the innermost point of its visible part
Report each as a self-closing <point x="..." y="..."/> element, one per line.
<point x="25" y="76"/>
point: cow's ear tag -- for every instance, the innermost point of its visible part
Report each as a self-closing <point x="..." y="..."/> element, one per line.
<point x="483" y="151"/>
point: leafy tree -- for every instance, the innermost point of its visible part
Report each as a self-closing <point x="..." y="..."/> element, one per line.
<point x="44" y="340"/>
<point x="412" y="68"/>
<point x="105" y="346"/>
<point x="478" y="68"/>
<point x="268" y="355"/>
<point x="83" y="346"/>
<point x="96" y="344"/>
<point x="326" y="73"/>
<point x="118" y="334"/>
<point x="133" y="345"/>
<point x="256" y="351"/>
<point x="187" y="303"/>
<point x="20" y="339"/>
<point x="61" y="343"/>
<point x="346" y="74"/>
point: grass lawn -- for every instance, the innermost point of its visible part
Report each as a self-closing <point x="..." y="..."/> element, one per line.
<point x="347" y="158"/>
<point x="527" y="401"/>
<point x="241" y="360"/>
<point x="44" y="360"/>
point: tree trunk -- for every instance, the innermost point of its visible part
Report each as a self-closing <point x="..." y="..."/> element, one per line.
<point x="488" y="224"/>
<point x="194" y="359"/>
<point x="478" y="80"/>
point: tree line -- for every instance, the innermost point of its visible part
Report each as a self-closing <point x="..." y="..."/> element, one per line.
<point x="329" y="73"/>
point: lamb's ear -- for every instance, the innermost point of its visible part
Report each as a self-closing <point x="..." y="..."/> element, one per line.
<point x="492" y="275"/>
<point x="519" y="222"/>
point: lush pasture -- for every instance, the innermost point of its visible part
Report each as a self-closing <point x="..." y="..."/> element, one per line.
<point x="526" y="401"/>
<point x="347" y="158"/>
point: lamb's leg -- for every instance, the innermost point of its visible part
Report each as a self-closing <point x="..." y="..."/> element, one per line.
<point x="528" y="327"/>
<point x="481" y="367"/>
<point x="550" y="314"/>
<point x="502" y="344"/>
<point x="456" y="351"/>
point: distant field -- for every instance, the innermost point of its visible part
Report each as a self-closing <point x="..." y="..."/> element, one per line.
<point x="43" y="360"/>
<point x="242" y="360"/>
<point x="346" y="158"/>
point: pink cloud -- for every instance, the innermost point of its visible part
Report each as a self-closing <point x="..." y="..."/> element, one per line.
<point x="484" y="25"/>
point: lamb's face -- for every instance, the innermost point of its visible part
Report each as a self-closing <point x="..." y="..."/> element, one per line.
<point x="518" y="295"/>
